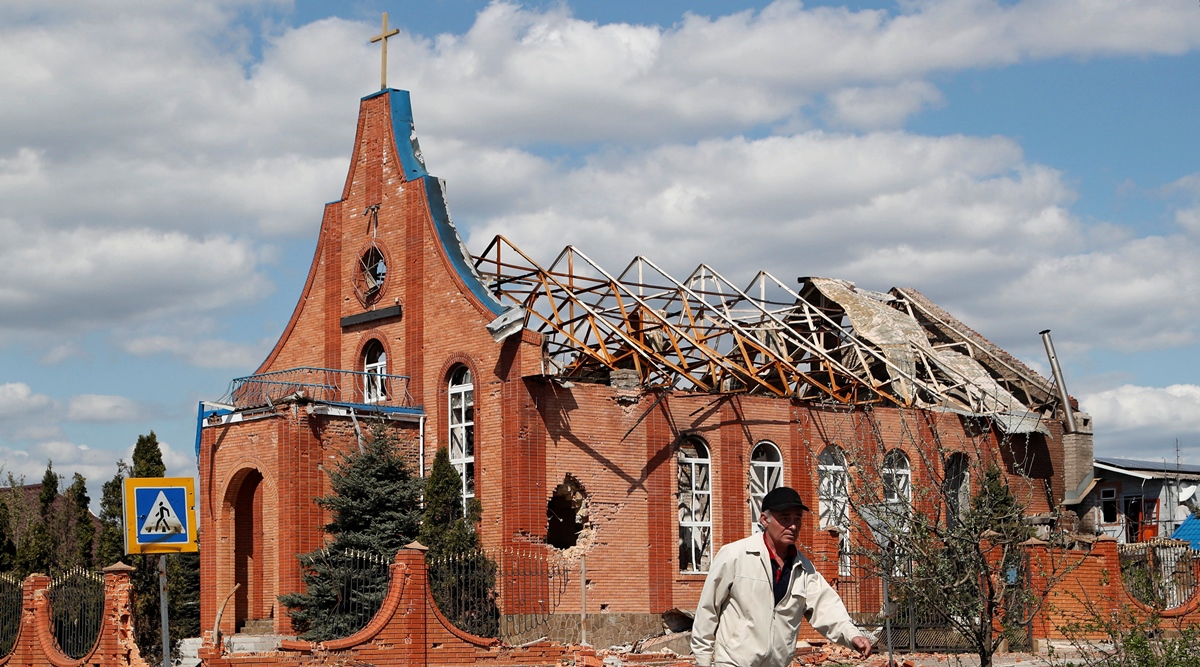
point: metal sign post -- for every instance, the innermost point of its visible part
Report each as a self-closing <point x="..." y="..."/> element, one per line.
<point x="160" y="518"/>
<point x="162" y="603"/>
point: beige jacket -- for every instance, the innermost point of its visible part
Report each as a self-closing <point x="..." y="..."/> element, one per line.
<point x="736" y="622"/>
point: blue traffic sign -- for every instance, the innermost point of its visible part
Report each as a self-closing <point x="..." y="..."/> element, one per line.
<point x="160" y="515"/>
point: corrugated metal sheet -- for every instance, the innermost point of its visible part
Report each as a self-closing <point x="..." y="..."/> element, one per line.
<point x="904" y="342"/>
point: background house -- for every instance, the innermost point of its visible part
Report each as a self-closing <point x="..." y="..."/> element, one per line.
<point x="1135" y="501"/>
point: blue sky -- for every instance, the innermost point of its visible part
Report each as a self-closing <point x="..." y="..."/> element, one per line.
<point x="163" y="166"/>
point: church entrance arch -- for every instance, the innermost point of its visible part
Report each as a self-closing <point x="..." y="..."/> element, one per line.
<point x="246" y="500"/>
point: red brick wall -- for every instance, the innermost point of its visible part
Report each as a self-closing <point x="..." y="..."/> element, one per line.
<point x="37" y="647"/>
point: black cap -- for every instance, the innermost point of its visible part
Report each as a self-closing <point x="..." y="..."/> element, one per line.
<point x="782" y="498"/>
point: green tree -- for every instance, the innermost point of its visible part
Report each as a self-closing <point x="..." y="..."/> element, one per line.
<point x="462" y="578"/>
<point x="374" y="508"/>
<point x="111" y="540"/>
<point x="37" y="544"/>
<point x="947" y="557"/>
<point x="147" y="457"/>
<point x="8" y="549"/>
<point x="83" y="529"/>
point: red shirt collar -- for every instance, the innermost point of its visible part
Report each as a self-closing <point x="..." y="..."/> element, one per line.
<point x="791" y="552"/>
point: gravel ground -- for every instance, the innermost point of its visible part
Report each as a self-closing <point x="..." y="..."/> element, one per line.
<point x="828" y="656"/>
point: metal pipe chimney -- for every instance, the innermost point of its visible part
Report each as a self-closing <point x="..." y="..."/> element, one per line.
<point x="1058" y="380"/>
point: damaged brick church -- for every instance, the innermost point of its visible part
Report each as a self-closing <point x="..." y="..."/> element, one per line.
<point x="631" y="417"/>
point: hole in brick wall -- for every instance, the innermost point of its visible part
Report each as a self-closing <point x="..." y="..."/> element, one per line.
<point x="566" y="514"/>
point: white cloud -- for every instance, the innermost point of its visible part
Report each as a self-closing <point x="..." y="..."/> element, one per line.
<point x="17" y="400"/>
<point x="1146" y="422"/>
<point x="104" y="408"/>
<point x="87" y="277"/>
<point x="1129" y="407"/>
<point x="201" y="353"/>
<point x="881" y="106"/>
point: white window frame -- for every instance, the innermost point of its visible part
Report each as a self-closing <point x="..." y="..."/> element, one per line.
<point x="695" y="505"/>
<point x="897" y="477"/>
<point x="766" y="473"/>
<point x="958" y="497"/>
<point x="461" y="423"/>
<point x="833" y="501"/>
<point x="375" y="373"/>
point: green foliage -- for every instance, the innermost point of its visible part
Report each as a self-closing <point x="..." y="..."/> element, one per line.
<point x="147" y="457"/>
<point x="1134" y="639"/>
<point x="967" y="570"/>
<point x="462" y="578"/>
<point x="83" y="530"/>
<point x="374" y="508"/>
<point x="183" y="596"/>
<point x="111" y="541"/>
<point x="49" y="490"/>
<point x="8" y="549"/>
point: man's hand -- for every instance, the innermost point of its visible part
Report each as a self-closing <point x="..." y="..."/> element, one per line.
<point x="862" y="644"/>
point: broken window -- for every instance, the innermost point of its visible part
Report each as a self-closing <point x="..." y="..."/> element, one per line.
<point x="462" y="430"/>
<point x="566" y="514"/>
<point x="372" y="271"/>
<point x="375" y="373"/>
<point x="957" y="488"/>
<point x="833" y="501"/>
<point x="695" y="505"/>
<point x="766" y="473"/>
<point x="1108" y="505"/>
<point x="897" y="477"/>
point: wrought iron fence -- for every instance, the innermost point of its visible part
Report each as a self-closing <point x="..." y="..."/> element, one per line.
<point x="76" y="610"/>
<point x="508" y="593"/>
<point x="1160" y="573"/>
<point x="914" y="626"/>
<point x="320" y="384"/>
<point x="10" y="612"/>
<point x="359" y="585"/>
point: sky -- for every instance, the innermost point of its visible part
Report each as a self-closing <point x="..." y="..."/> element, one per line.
<point x="1026" y="164"/>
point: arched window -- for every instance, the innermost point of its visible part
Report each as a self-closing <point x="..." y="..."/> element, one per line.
<point x="695" y="505"/>
<point x="766" y="473"/>
<point x="897" y="477"/>
<point x="833" y="501"/>
<point x="958" y="488"/>
<point x="375" y="369"/>
<point x="462" y="429"/>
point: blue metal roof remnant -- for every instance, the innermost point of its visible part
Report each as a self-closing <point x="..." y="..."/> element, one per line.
<point x="405" y="132"/>
<point x="1189" y="530"/>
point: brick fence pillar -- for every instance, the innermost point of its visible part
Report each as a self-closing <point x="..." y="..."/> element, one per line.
<point x="117" y="646"/>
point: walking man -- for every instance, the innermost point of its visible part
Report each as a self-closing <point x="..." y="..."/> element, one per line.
<point x="757" y="591"/>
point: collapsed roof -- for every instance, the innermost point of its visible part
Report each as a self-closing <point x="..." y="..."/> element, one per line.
<point x="824" y="340"/>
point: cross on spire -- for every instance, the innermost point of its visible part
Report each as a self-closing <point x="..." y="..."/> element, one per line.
<point x="383" y="37"/>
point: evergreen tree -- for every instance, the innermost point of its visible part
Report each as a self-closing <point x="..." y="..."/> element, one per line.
<point x="462" y="578"/>
<point x="374" y="508"/>
<point x="49" y="490"/>
<point x="8" y="549"/>
<point x="147" y="457"/>
<point x="37" y="544"/>
<point x="111" y="540"/>
<point x="83" y="530"/>
<point x="183" y="596"/>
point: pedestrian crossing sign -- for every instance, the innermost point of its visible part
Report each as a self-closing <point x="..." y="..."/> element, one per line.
<point x="160" y="515"/>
